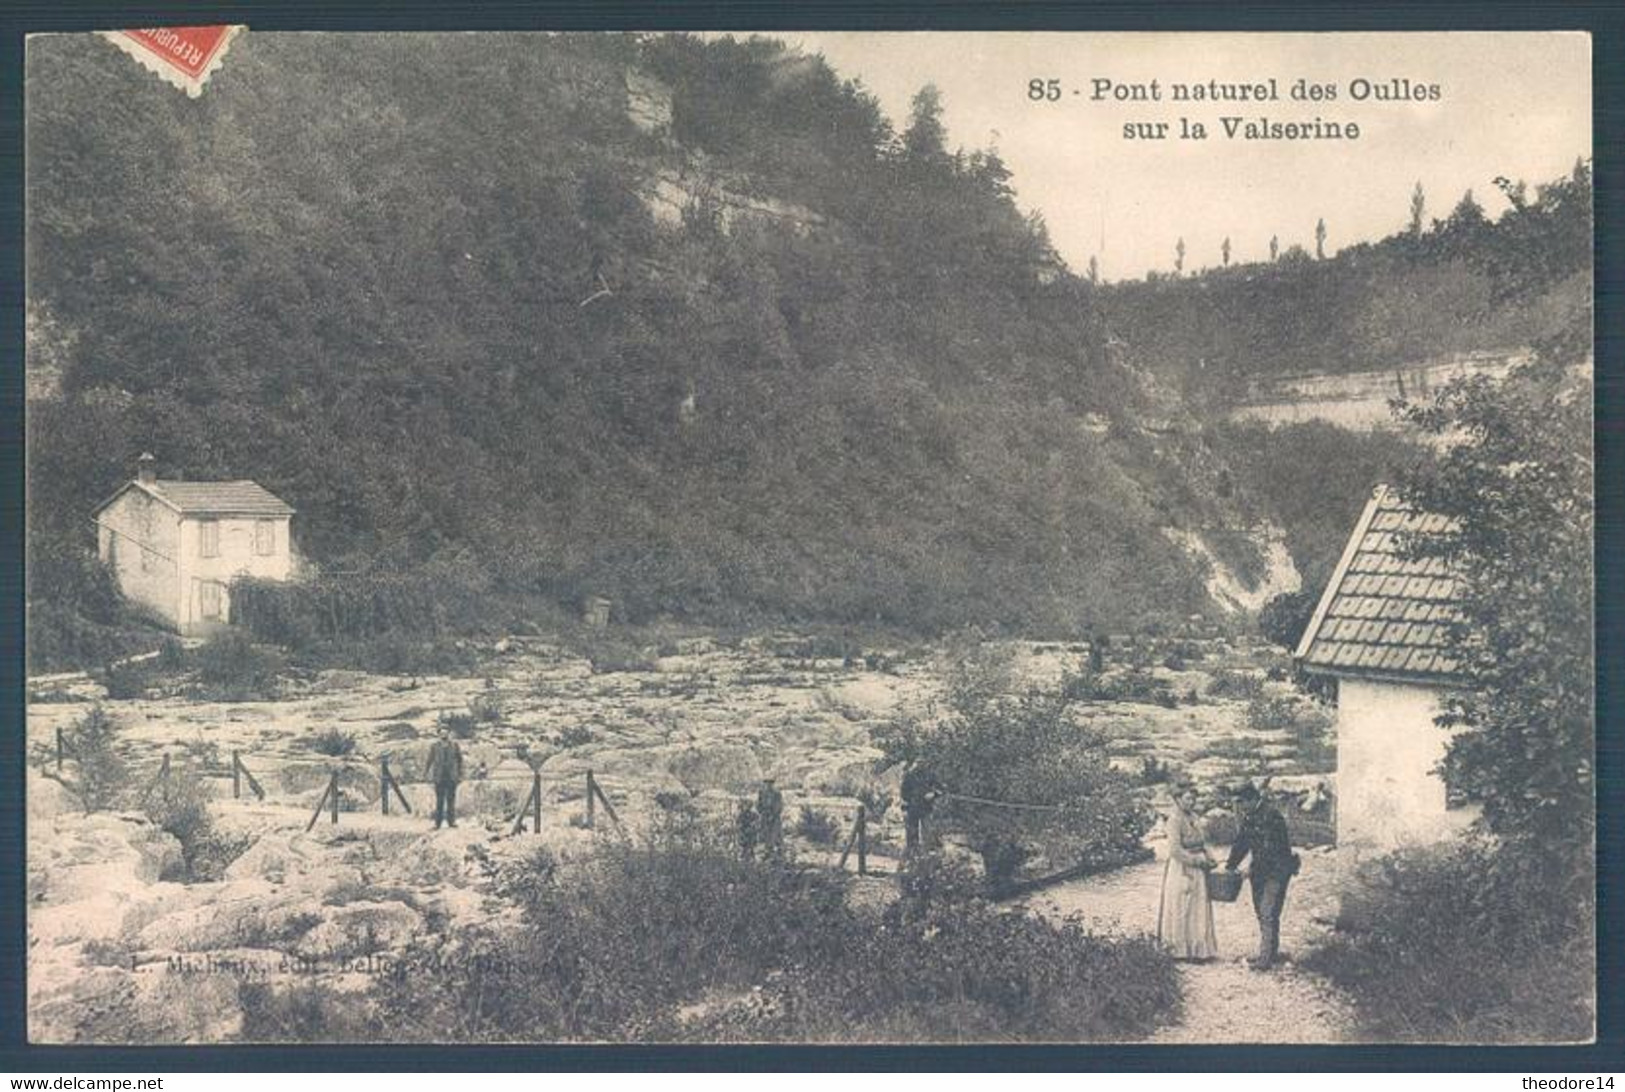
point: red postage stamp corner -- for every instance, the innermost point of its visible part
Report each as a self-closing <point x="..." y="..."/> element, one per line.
<point x="183" y="57"/>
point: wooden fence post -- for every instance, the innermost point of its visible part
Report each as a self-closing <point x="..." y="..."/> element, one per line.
<point x="851" y="840"/>
<point x="609" y="809"/>
<point x="536" y="801"/>
<point x="238" y="769"/>
<point x="592" y="804"/>
<point x="320" y="804"/>
<point x="383" y="784"/>
<point x="333" y="795"/>
<point x="236" y="776"/>
<point x="60" y="748"/>
<point x="863" y="840"/>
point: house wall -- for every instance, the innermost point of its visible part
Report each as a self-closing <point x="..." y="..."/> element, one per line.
<point x="236" y="558"/>
<point x="139" y="538"/>
<point x="1387" y="794"/>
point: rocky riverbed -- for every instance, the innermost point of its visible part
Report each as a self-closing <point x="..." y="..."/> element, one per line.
<point x="123" y="948"/>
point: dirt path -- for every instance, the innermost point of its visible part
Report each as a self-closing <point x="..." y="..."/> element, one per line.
<point x="1226" y="1001"/>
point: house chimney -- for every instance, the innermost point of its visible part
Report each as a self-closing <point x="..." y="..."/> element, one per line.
<point x="146" y="469"/>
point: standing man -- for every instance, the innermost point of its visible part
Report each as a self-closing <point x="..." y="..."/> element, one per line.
<point x="1263" y="835"/>
<point x="919" y="792"/>
<point x="770" y="814"/>
<point x="445" y="770"/>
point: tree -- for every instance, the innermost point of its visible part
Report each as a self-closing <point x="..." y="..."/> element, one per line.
<point x="926" y="138"/>
<point x="1418" y="211"/>
<point x="1005" y="745"/>
<point x="1284" y="618"/>
<point x="1468" y="213"/>
<point x="1275" y="247"/>
<point x="1519" y="487"/>
<point x="1179" y="255"/>
<point x="1094" y="269"/>
<point x="1224" y="251"/>
<point x="1320" y="238"/>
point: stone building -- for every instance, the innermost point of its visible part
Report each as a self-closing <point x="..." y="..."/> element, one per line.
<point x="175" y="546"/>
<point x="1379" y="632"/>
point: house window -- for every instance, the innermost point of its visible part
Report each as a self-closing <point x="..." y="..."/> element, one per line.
<point x="209" y="600"/>
<point x="264" y="537"/>
<point x="149" y="560"/>
<point x="208" y="538"/>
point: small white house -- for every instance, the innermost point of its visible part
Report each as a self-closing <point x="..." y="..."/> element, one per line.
<point x="1379" y="631"/>
<point x="175" y="546"/>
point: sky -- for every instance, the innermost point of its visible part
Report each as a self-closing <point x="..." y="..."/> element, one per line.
<point x="1511" y="104"/>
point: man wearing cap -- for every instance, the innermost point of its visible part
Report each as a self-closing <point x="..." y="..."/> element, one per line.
<point x="1263" y="834"/>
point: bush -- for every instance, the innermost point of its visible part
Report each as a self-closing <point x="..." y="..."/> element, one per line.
<point x="621" y="945"/>
<point x="1023" y="747"/>
<point x="819" y="828"/>
<point x="1462" y="944"/>
<point x="61" y="640"/>
<point x="486" y="707"/>
<point x="575" y="735"/>
<point x="102" y="776"/>
<point x="461" y="725"/>
<point x="179" y="805"/>
<point x="1309" y="725"/>
<point x="608" y="655"/>
<point x="1154" y="771"/>
<point x="126" y="680"/>
<point x="332" y="742"/>
<point x="231" y="667"/>
<point x="1235" y="684"/>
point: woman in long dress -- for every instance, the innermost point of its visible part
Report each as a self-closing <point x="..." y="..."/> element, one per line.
<point x="1185" y="916"/>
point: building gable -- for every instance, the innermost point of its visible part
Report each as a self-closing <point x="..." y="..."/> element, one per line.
<point x="1385" y="615"/>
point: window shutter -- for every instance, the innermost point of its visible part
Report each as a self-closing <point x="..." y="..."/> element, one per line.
<point x="208" y="538"/>
<point x="264" y="537"/>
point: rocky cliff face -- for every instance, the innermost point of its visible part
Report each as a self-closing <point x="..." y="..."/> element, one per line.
<point x="1360" y="400"/>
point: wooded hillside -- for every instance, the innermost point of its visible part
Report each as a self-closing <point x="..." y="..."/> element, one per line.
<point x="480" y="312"/>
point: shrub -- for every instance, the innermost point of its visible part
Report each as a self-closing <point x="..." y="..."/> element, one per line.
<point x="575" y="735"/>
<point x="1153" y="771"/>
<point x="1461" y="944"/>
<point x="1309" y="725"/>
<point x="231" y="667"/>
<point x="461" y="725"/>
<point x="102" y="776"/>
<point x="819" y="828"/>
<point x="127" y="680"/>
<point x="179" y="805"/>
<point x="1228" y="683"/>
<point x="620" y="945"/>
<point x="486" y="707"/>
<point x="1023" y="747"/>
<point x="333" y="742"/>
<point x="966" y="971"/>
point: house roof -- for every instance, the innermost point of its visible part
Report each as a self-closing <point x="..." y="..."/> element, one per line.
<point x="1383" y="614"/>
<point x="235" y="498"/>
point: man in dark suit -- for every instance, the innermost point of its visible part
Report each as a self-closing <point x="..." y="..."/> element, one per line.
<point x="1263" y="835"/>
<point x="445" y="769"/>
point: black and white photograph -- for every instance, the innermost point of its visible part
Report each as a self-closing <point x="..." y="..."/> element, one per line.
<point x="809" y="537"/>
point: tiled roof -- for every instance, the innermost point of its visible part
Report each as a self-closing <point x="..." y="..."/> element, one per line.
<point x="242" y="498"/>
<point x="1383" y="614"/>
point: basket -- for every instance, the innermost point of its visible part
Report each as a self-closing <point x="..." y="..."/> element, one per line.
<point x="1223" y="886"/>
